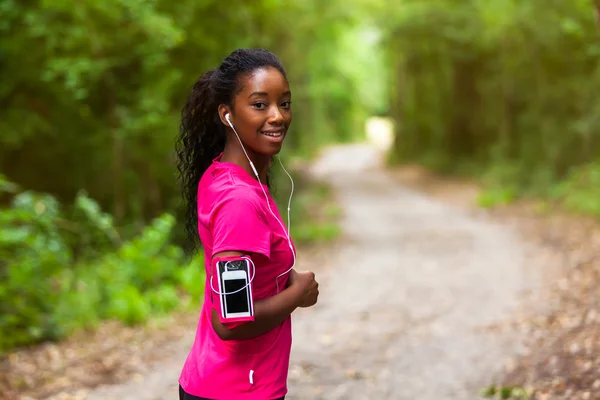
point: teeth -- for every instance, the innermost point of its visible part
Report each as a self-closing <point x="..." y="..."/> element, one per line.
<point x="272" y="134"/>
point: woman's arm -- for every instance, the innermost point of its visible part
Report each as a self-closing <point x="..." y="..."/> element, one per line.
<point x="268" y="313"/>
<point x="301" y="291"/>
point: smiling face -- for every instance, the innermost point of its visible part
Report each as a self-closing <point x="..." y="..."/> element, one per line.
<point x="262" y="111"/>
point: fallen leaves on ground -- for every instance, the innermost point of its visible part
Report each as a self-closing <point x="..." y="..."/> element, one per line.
<point x="563" y="360"/>
<point x="113" y="353"/>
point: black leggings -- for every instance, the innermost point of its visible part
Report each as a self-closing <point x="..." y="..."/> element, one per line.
<point x="184" y="396"/>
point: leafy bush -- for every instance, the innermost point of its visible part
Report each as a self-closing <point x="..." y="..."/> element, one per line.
<point x="495" y="196"/>
<point x="46" y="292"/>
<point x="580" y="191"/>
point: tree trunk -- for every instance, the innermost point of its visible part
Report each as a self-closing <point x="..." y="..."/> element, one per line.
<point x="118" y="150"/>
<point x="597" y="6"/>
<point x="119" y="196"/>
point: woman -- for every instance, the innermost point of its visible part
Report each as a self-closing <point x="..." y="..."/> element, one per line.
<point x="234" y="122"/>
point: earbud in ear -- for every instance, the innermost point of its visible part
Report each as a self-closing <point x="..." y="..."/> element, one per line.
<point x="229" y="121"/>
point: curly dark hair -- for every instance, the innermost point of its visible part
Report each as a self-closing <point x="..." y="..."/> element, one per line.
<point x="202" y="135"/>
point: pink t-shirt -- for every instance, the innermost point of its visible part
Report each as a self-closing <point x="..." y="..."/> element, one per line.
<point x="233" y="215"/>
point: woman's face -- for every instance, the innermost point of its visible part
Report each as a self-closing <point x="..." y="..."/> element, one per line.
<point x="262" y="111"/>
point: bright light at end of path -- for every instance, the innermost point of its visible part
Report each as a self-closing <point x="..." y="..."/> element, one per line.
<point x="380" y="132"/>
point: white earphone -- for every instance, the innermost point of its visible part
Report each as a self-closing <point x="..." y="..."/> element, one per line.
<point x="236" y="134"/>
<point x="286" y="232"/>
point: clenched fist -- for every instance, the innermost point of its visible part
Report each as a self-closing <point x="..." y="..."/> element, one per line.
<point x="306" y="286"/>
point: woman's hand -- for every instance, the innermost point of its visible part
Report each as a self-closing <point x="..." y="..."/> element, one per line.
<point x="306" y="286"/>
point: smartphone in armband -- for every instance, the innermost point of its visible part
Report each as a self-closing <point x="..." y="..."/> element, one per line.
<point x="235" y="289"/>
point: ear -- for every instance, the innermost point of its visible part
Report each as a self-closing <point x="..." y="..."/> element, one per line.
<point x="223" y="110"/>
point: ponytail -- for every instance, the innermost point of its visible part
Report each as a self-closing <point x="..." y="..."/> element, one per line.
<point x="201" y="139"/>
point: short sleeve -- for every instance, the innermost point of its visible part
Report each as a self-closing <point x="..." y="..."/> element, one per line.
<point x="237" y="225"/>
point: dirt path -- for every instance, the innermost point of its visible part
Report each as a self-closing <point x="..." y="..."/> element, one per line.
<point x="406" y="296"/>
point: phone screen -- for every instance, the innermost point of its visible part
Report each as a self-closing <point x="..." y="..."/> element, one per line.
<point x="236" y="302"/>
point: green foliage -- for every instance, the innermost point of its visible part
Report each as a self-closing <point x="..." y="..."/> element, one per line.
<point x="191" y="278"/>
<point x="310" y="232"/>
<point x="505" y="392"/>
<point x="495" y="196"/>
<point x="46" y="294"/>
<point x="580" y="191"/>
<point x="507" y="86"/>
<point x="6" y="186"/>
<point x="100" y="86"/>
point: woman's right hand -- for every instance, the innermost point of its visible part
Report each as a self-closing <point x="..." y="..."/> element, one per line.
<point x="307" y="287"/>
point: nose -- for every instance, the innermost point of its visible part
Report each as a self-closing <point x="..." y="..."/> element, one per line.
<point x="275" y="116"/>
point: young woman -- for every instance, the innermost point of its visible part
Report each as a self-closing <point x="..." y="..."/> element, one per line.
<point x="233" y="123"/>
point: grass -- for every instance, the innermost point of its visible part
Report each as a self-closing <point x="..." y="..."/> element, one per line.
<point x="505" y="392"/>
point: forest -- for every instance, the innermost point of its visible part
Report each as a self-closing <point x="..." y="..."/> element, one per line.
<point x="503" y="91"/>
